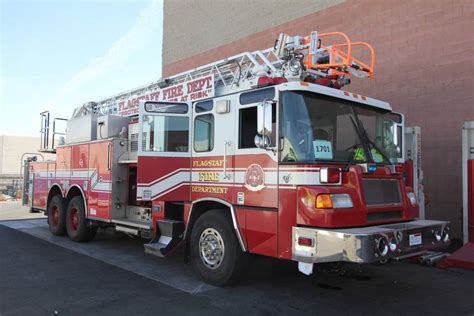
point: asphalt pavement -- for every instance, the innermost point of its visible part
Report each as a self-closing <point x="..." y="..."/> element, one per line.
<point x="45" y="275"/>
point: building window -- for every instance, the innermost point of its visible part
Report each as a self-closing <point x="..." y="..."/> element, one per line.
<point x="165" y="133"/>
<point x="204" y="133"/>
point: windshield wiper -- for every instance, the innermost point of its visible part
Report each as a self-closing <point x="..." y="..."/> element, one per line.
<point x="346" y="166"/>
<point x="368" y="140"/>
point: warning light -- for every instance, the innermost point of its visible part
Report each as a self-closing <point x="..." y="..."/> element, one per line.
<point x="371" y="168"/>
<point x="329" y="175"/>
<point x="303" y="241"/>
<point x="324" y="201"/>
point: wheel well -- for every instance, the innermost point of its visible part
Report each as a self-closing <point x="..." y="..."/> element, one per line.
<point x="200" y="208"/>
<point x="197" y="210"/>
<point x="55" y="190"/>
<point x="73" y="192"/>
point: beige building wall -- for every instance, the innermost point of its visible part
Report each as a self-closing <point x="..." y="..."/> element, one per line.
<point x="11" y="150"/>
<point x="1" y="153"/>
<point x="194" y="26"/>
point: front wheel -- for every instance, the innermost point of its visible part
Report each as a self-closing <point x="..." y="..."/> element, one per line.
<point x="78" y="227"/>
<point x="215" y="250"/>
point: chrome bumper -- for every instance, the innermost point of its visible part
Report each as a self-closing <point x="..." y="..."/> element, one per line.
<point x="369" y="244"/>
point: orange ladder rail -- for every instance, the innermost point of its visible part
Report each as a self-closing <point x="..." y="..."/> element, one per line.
<point x="337" y="53"/>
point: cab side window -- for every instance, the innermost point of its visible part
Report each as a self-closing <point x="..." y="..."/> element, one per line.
<point x="204" y="133"/>
<point x="248" y="127"/>
<point x="165" y="133"/>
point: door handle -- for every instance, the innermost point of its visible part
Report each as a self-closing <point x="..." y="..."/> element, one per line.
<point x="226" y="175"/>
<point x="109" y="145"/>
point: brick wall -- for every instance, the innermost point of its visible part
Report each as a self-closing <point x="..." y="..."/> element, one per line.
<point x="424" y="68"/>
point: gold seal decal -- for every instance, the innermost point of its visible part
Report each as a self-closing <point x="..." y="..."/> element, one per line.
<point x="254" y="178"/>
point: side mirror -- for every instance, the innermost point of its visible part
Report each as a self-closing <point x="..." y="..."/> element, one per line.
<point x="262" y="141"/>
<point x="264" y="118"/>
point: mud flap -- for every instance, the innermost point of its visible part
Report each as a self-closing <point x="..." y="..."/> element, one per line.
<point x="305" y="268"/>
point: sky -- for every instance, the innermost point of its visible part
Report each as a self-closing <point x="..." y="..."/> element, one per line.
<point x="58" y="54"/>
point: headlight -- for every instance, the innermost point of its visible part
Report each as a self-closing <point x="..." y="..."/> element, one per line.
<point x="341" y="201"/>
<point x="412" y="198"/>
<point x="334" y="201"/>
<point x="445" y="234"/>
<point x="382" y="246"/>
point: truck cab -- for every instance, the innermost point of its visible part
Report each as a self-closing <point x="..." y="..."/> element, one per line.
<point x="312" y="167"/>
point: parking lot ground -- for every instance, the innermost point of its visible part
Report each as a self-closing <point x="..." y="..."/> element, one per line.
<point x="10" y="210"/>
<point x="41" y="274"/>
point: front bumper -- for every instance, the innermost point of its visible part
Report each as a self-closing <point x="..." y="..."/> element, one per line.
<point x="370" y="244"/>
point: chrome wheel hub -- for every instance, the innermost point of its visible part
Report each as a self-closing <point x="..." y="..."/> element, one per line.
<point x="211" y="248"/>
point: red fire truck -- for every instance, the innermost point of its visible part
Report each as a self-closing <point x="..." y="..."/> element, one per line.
<point x="260" y="153"/>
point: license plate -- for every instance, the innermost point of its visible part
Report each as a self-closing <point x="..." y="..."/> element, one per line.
<point x="415" y="239"/>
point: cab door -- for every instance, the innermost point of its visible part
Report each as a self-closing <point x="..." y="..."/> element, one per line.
<point x="163" y="168"/>
<point x="256" y="171"/>
<point x="213" y="149"/>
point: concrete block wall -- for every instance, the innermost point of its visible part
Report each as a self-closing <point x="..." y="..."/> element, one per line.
<point x="11" y="150"/>
<point x="195" y="26"/>
<point x="424" y="68"/>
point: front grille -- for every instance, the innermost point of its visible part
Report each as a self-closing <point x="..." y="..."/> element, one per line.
<point x="381" y="216"/>
<point x="381" y="192"/>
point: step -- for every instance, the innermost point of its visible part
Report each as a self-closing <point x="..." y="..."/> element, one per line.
<point x="169" y="236"/>
<point x="156" y="249"/>
<point x="128" y="230"/>
<point x="132" y="223"/>
<point x="162" y="247"/>
<point x="170" y="228"/>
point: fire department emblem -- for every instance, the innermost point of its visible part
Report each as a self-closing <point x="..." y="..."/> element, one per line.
<point x="254" y="178"/>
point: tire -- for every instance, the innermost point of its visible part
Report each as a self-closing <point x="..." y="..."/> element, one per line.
<point x="57" y="216"/>
<point x="213" y="231"/>
<point x="78" y="227"/>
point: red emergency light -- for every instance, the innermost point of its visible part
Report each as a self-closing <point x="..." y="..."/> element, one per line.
<point x="329" y="175"/>
<point x="304" y="241"/>
<point x="265" y="81"/>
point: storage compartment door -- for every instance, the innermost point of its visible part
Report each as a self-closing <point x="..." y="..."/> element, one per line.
<point x="100" y="180"/>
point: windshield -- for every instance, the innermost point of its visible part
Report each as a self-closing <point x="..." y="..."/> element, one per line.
<point x="321" y="128"/>
<point x="383" y="132"/>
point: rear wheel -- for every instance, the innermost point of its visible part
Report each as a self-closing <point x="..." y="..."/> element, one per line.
<point x="78" y="227"/>
<point x="215" y="250"/>
<point x="57" y="216"/>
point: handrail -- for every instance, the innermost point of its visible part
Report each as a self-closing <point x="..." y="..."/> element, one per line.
<point x="336" y="52"/>
<point x="369" y="69"/>
<point x="320" y="66"/>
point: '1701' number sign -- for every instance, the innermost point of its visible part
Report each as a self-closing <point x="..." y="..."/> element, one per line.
<point x="322" y="149"/>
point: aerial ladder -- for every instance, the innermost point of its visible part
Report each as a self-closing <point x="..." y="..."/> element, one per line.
<point x="292" y="58"/>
